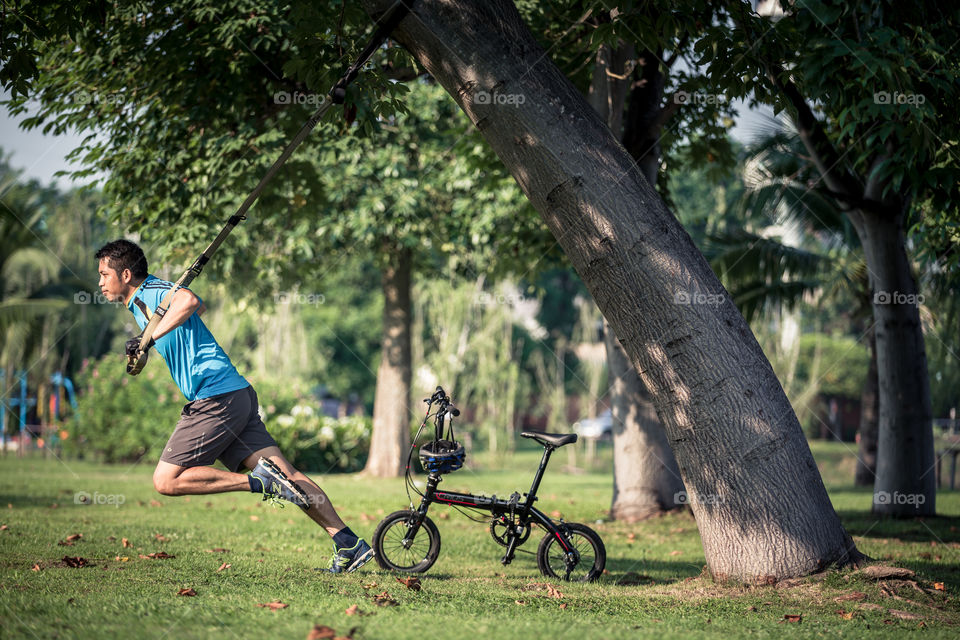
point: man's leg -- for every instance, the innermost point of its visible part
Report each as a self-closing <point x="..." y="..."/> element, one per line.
<point x="321" y="511"/>
<point x="174" y="480"/>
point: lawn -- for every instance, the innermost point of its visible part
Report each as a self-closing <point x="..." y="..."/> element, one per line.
<point x="236" y="553"/>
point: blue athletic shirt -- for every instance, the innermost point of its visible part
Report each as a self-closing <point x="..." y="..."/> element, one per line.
<point x="199" y="366"/>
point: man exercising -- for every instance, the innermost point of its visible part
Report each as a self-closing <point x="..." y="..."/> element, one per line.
<point x="220" y="420"/>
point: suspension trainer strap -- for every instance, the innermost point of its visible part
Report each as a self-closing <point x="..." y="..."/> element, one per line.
<point x="337" y="94"/>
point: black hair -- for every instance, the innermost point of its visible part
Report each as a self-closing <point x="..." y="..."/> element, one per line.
<point x="123" y="254"/>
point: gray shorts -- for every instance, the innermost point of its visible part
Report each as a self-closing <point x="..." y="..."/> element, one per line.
<point x="226" y="427"/>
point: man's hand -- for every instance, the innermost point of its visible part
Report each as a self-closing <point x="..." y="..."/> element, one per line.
<point x="133" y="345"/>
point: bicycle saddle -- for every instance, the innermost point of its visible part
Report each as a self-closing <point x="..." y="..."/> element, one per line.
<point x="550" y="439"/>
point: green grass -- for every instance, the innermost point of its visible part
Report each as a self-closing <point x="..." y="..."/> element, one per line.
<point x="275" y="555"/>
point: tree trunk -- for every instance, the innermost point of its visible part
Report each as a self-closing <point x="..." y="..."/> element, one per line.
<point x="869" y="410"/>
<point x="646" y="478"/>
<point x="760" y="505"/>
<point x="905" y="485"/>
<point x="390" y="441"/>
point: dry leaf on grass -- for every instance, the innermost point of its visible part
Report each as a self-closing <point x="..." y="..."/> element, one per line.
<point x="125" y="542"/>
<point x="939" y="586"/>
<point x="160" y="537"/>
<point x="384" y="600"/>
<point x="75" y="563"/>
<point x="521" y="602"/>
<point x="3" y="527"/>
<point x="792" y="617"/>
<point x="35" y="567"/>
<point x="321" y="632"/>
<point x="225" y="565"/>
<point x="411" y="583"/>
<point x="73" y="537"/>
<point x="846" y="615"/>
<point x="273" y="606"/>
<point x="159" y="555"/>
<point x="187" y="592"/>
<point x="217" y="550"/>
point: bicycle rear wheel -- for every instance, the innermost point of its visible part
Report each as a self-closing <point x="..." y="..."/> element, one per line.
<point x="417" y="555"/>
<point x="592" y="556"/>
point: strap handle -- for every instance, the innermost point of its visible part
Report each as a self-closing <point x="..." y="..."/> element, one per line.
<point x="336" y="95"/>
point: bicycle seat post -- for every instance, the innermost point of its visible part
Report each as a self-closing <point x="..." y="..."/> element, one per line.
<point x="532" y="495"/>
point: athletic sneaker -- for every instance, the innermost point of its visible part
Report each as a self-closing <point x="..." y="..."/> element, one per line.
<point x="349" y="560"/>
<point x="276" y="485"/>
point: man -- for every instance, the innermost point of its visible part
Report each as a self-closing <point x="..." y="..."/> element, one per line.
<point x="221" y="419"/>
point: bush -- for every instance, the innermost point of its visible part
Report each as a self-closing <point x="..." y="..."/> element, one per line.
<point x="120" y="418"/>
<point x="313" y="442"/>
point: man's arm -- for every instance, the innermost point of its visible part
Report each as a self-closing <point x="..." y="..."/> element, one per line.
<point x="184" y="304"/>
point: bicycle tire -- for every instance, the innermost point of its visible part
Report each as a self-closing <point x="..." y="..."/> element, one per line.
<point x="551" y="558"/>
<point x="391" y="554"/>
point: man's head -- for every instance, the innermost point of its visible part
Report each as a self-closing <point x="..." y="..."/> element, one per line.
<point x="122" y="268"/>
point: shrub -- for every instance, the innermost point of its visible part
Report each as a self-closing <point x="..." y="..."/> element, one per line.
<point x="313" y="442"/>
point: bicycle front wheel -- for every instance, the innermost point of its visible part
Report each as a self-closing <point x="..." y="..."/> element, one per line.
<point x="395" y="553"/>
<point x="591" y="556"/>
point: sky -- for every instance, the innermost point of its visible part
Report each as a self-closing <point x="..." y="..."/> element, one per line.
<point x="41" y="156"/>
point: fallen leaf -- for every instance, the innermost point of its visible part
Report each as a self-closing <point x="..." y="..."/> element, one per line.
<point x="846" y="615"/>
<point x="187" y="592"/>
<point x="125" y="542"/>
<point x="790" y="617"/>
<point x="3" y="527"/>
<point x="411" y="583"/>
<point x="939" y="586"/>
<point x="273" y="606"/>
<point x="73" y="537"/>
<point x="65" y="543"/>
<point x="520" y="602"/>
<point x="217" y="550"/>
<point x="369" y="586"/>
<point x="36" y="566"/>
<point x="155" y="503"/>
<point x="225" y="565"/>
<point x="444" y="515"/>
<point x="353" y="610"/>
<point x="555" y="514"/>
<point x="631" y="536"/>
<point x="254" y="518"/>
<point x="159" y="555"/>
<point x="75" y="562"/>
<point x="160" y="537"/>
<point x="553" y="592"/>
<point x="384" y="600"/>
<point x="563" y="605"/>
<point x="321" y="632"/>
<point x="675" y="552"/>
<point x="122" y="559"/>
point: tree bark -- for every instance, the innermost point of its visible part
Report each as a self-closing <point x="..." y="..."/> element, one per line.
<point x="391" y="405"/>
<point x="905" y="485"/>
<point x="646" y="478"/>
<point x="760" y="505"/>
<point x="869" y="412"/>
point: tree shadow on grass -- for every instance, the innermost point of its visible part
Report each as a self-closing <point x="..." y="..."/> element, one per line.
<point x="864" y="524"/>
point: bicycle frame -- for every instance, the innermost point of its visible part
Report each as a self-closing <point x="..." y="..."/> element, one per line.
<point x="523" y="513"/>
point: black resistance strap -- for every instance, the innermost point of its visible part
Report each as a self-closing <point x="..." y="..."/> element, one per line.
<point x="336" y="95"/>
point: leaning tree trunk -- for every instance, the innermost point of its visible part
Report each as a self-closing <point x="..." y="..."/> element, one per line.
<point x="905" y="485"/>
<point x="391" y="405"/>
<point x="869" y="411"/>
<point x="760" y="505"/>
<point x="646" y="478"/>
